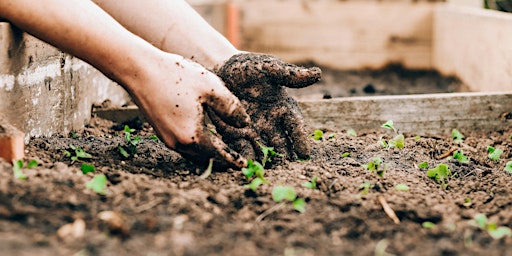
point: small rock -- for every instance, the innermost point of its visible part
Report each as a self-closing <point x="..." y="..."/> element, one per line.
<point x="72" y="231"/>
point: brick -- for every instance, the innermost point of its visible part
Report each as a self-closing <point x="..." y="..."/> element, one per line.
<point x="12" y="144"/>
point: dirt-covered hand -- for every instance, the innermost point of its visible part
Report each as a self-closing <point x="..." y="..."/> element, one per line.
<point x="260" y="82"/>
<point x="174" y="98"/>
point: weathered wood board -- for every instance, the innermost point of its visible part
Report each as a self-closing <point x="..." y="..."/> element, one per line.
<point x="421" y="114"/>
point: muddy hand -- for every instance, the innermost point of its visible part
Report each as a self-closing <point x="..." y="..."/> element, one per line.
<point x="259" y="81"/>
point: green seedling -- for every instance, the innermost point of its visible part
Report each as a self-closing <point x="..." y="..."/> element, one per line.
<point x="457" y="136"/>
<point x="365" y="189"/>
<point x="79" y="153"/>
<point x="389" y="125"/>
<point x="332" y="136"/>
<point x="459" y="155"/>
<point x="495" y="231"/>
<point x="311" y="184"/>
<point x="268" y="153"/>
<point x="208" y="170"/>
<point x="155" y="138"/>
<point x="87" y="168"/>
<point x="375" y="165"/>
<point x="98" y="184"/>
<point x="397" y="142"/>
<point x="402" y="187"/>
<point x="317" y="135"/>
<point x="131" y="149"/>
<point x="280" y="193"/>
<point x="32" y="163"/>
<point x="256" y="170"/>
<point x="441" y="173"/>
<point x="467" y="202"/>
<point x="423" y="165"/>
<point x="417" y="138"/>
<point x="17" y="169"/>
<point x="346" y="154"/>
<point x="508" y="167"/>
<point x="494" y="153"/>
<point x="428" y="224"/>
<point x="352" y="132"/>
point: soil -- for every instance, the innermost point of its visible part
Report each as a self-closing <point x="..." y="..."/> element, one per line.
<point x="157" y="203"/>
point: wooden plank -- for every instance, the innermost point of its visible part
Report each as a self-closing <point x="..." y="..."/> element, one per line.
<point x="420" y="114"/>
<point x="474" y="45"/>
<point x="340" y="34"/>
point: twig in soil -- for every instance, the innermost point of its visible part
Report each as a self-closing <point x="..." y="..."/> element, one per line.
<point x="148" y="205"/>
<point x="447" y="153"/>
<point x="208" y="170"/>
<point x="269" y="211"/>
<point x="332" y="184"/>
<point x="387" y="209"/>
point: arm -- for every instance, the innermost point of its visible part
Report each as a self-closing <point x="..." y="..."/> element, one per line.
<point x="169" y="89"/>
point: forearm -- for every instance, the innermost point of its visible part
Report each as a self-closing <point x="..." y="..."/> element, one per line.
<point x="84" y="30"/>
<point x="173" y="26"/>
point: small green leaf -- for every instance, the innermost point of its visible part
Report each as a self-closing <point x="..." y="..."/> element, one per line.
<point x="32" y="163"/>
<point x="417" y="138"/>
<point x="459" y="155"/>
<point x="441" y="173"/>
<point x="397" y="142"/>
<point x="494" y="153"/>
<point x="310" y="184"/>
<point x="389" y="125"/>
<point x="299" y="205"/>
<point x="87" y="168"/>
<point x="383" y="143"/>
<point x="480" y="220"/>
<point x="346" y="154"/>
<point x="17" y="167"/>
<point x="255" y="183"/>
<point x="365" y="188"/>
<point x="98" y="184"/>
<point x="155" y="138"/>
<point x="352" y="132"/>
<point x="457" y="136"/>
<point x="128" y="129"/>
<point x="268" y="153"/>
<point x="332" y="136"/>
<point x="402" y="187"/>
<point x="428" y="224"/>
<point x="423" y="165"/>
<point x="67" y="153"/>
<point x="80" y="153"/>
<point x="500" y="232"/>
<point x="318" y="135"/>
<point x="508" y="167"/>
<point x="123" y="152"/>
<point x="280" y="193"/>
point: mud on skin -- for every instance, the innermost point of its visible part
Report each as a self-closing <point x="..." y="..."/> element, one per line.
<point x="260" y="82"/>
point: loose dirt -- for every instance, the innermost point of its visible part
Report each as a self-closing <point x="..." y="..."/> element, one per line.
<point x="157" y="204"/>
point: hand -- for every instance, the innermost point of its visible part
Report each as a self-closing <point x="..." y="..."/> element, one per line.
<point x="259" y="81"/>
<point x="174" y="96"/>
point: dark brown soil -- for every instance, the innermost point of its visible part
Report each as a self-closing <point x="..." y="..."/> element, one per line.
<point x="166" y="209"/>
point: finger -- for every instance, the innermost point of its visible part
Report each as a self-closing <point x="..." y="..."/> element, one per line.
<point x="297" y="131"/>
<point x="289" y="75"/>
<point x="228" y="107"/>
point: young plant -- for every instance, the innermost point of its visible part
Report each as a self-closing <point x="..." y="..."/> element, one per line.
<point x="423" y="165"/>
<point x="508" y="167"/>
<point x="311" y="184"/>
<point x="398" y="141"/>
<point x="365" y="189"/>
<point x="98" y="184"/>
<point x="317" y="135"/>
<point x="280" y="193"/>
<point x="352" y="132"/>
<point x="256" y="170"/>
<point x="457" y="136"/>
<point x="131" y="149"/>
<point x="459" y="155"/>
<point x="17" y="168"/>
<point x="87" y="168"/>
<point x="155" y="138"/>
<point x="375" y="165"/>
<point x="268" y="153"/>
<point x="441" y="173"/>
<point x="494" y="153"/>
<point x="79" y="153"/>
<point x="495" y="231"/>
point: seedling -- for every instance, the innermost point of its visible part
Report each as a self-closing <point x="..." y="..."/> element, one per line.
<point x="441" y="173"/>
<point x="254" y="168"/>
<point x="365" y="189"/>
<point x="495" y="231"/>
<point x="376" y="166"/>
<point x="417" y="138"/>
<point x="280" y="193"/>
<point x="155" y="138"/>
<point x="17" y="167"/>
<point x="87" y="168"/>
<point x="459" y="155"/>
<point x="352" y="132"/>
<point x="311" y="184"/>
<point x="131" y="149"/>
<point x="79" y="153"/>
<point x="317" y="135"/>
<point x="402" y="187"/>
<point x="428" y="224"/>
<point x="494" y="153"/>
<point x="423" y="165"/>
<point x="397" y="142"/>
<point x="98" y="184"/>
<point x="389" y="125"/>
<point x="346" y="154"/>
<point x="268" y="153"/>
<point x="508" y="167"/>
<point x="457" y="136"/>
<point x="467" y="202"/>
<point x="332" y="136"/>
<point x="208" y="170"/>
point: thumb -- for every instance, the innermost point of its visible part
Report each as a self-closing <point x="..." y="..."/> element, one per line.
<point x="290" y="75"/>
